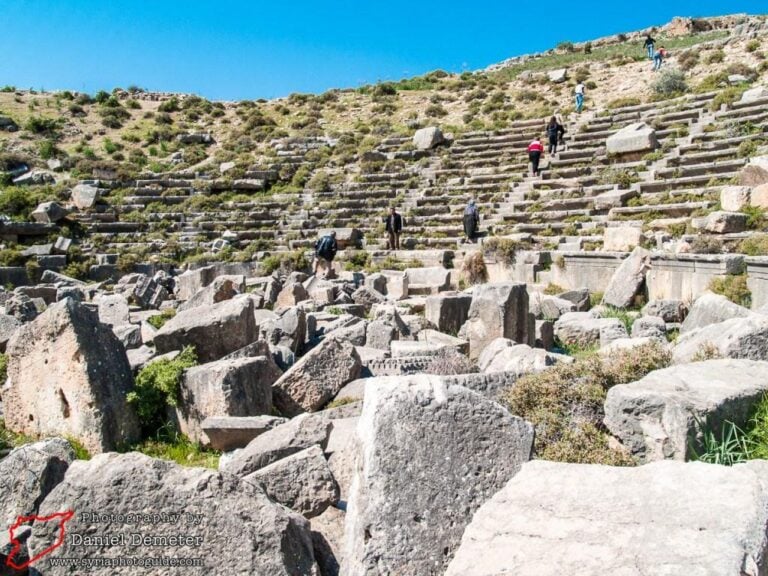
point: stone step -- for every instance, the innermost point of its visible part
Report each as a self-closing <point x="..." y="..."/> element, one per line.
<point x="671" y="210"/>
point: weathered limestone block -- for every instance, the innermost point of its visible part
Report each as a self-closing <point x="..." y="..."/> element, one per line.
<point x="628" y="279"/>
<point x="8" y="326"/>
<point x="649" y="327"/>
<point x="214" y="330"/>
<point x="669" y="310"/>
<point x="497" y="311"/>
<point x="638" y="137"/>
<point x="222" y="288"/>
<point x="294" y="436"/>
<point x="709" y="309"/>
<point x="734" y="198"/>
<point x="428" y="138"/>
<point x="303" y="482"/>
<point x="85" y="196"/>
<point x="622" y="238"/>
<point x="429" y="456"/>
<point x="656" y="417"/>
<point x="227" y="433"/>
<point x="448" y="311"/>
<point x="430" y="280"/>
<point x="69" y="376"/>
<point x="27" y="475"/>
<point x="258" y="535"/>
<point x="755" y="173"/>
<point x="238" y="387"/>
<point x="721" y="222"/>
<point x="584" y="330"/>
<point x="291" y="295"/>
<point x="113" y="310"/>
<point x="315" y="379"/>
<point x="736" y="338"/>
<point x="755" y="94"/>
<point x="48" y="213"/>
<point x="554" y="519"/>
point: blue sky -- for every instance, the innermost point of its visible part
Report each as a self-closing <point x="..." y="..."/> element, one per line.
<point x="234" y="49"/>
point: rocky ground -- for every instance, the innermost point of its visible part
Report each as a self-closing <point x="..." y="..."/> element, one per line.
<point x="579" y="392"/>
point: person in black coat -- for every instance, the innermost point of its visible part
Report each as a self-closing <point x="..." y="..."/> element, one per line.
<point x="394" y="225"/>
<point x="649" y="46"/>
<point x="325" y="251"/>
<point x="471" y="220"/>
<point x="555" y="133"/>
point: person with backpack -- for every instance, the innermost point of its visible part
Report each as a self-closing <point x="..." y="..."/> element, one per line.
<point x="649" y="44"/>
<point x="394" y="225"/>
<point x="535" y="150"/>
<point x="325" y="251"/>
<point x="579" y="91"/>
<point x="658" y="58"/>
<point x="555" y="131"/>
<point x="471" y="221"/>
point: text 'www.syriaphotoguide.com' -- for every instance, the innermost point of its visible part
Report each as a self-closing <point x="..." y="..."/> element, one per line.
<point x="123" y="561"/>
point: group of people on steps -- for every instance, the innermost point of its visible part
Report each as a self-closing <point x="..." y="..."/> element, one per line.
<point x="555" y="129"/>
<point x="327" y="246"/>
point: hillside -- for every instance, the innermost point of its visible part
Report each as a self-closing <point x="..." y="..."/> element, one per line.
<point x="178" y="171"/>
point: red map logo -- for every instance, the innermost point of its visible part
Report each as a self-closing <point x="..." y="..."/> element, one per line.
<point x="60" y="517"/>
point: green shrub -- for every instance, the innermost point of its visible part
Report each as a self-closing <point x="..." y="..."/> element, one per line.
<point x="101" y="97"/>
<point x="670" y="82"/>
<point x="357" y="261"/>
<point x="734" y="287"/>
<point x="41" y="125"/>
<point x="11" y="257"/>
<point x="623" y="178"/>
<point x="752" y="46"/>
<point x="3" y="368"/>
<point x="157" y="387"/>
<point x="756" y="245"/>
<point x="48" y="149"/>
<point x="289" y="261"/>
<point x="320" y="182"/>
<point x="755" y="217"/>
<point x="712" y="82"/>
<point x="170" y="105"/>
<point x="565" y="403"/>
<point x="716" y="57"/>
<point x="435" y="111"/>
<point x="553" y="289"/>
<point x="566" y="47"/>
<point x="747" y="149"/>
<point x="727" y="96"/>
<point x="158" y="320"/>
<point x="504" y="249"/>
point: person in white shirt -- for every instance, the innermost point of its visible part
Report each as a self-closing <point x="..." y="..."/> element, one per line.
<point x="580" y="96"/>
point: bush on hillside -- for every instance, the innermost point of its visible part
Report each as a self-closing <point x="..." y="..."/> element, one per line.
<point x="688" y="60"/>
<point x="670" y="82"/>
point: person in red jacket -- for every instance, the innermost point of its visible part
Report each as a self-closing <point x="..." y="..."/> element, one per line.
<point x="535" y="150"/>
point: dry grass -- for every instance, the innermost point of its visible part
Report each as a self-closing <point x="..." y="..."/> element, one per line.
<point x="565" y="403"/>
<point x="473" y="269"/>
